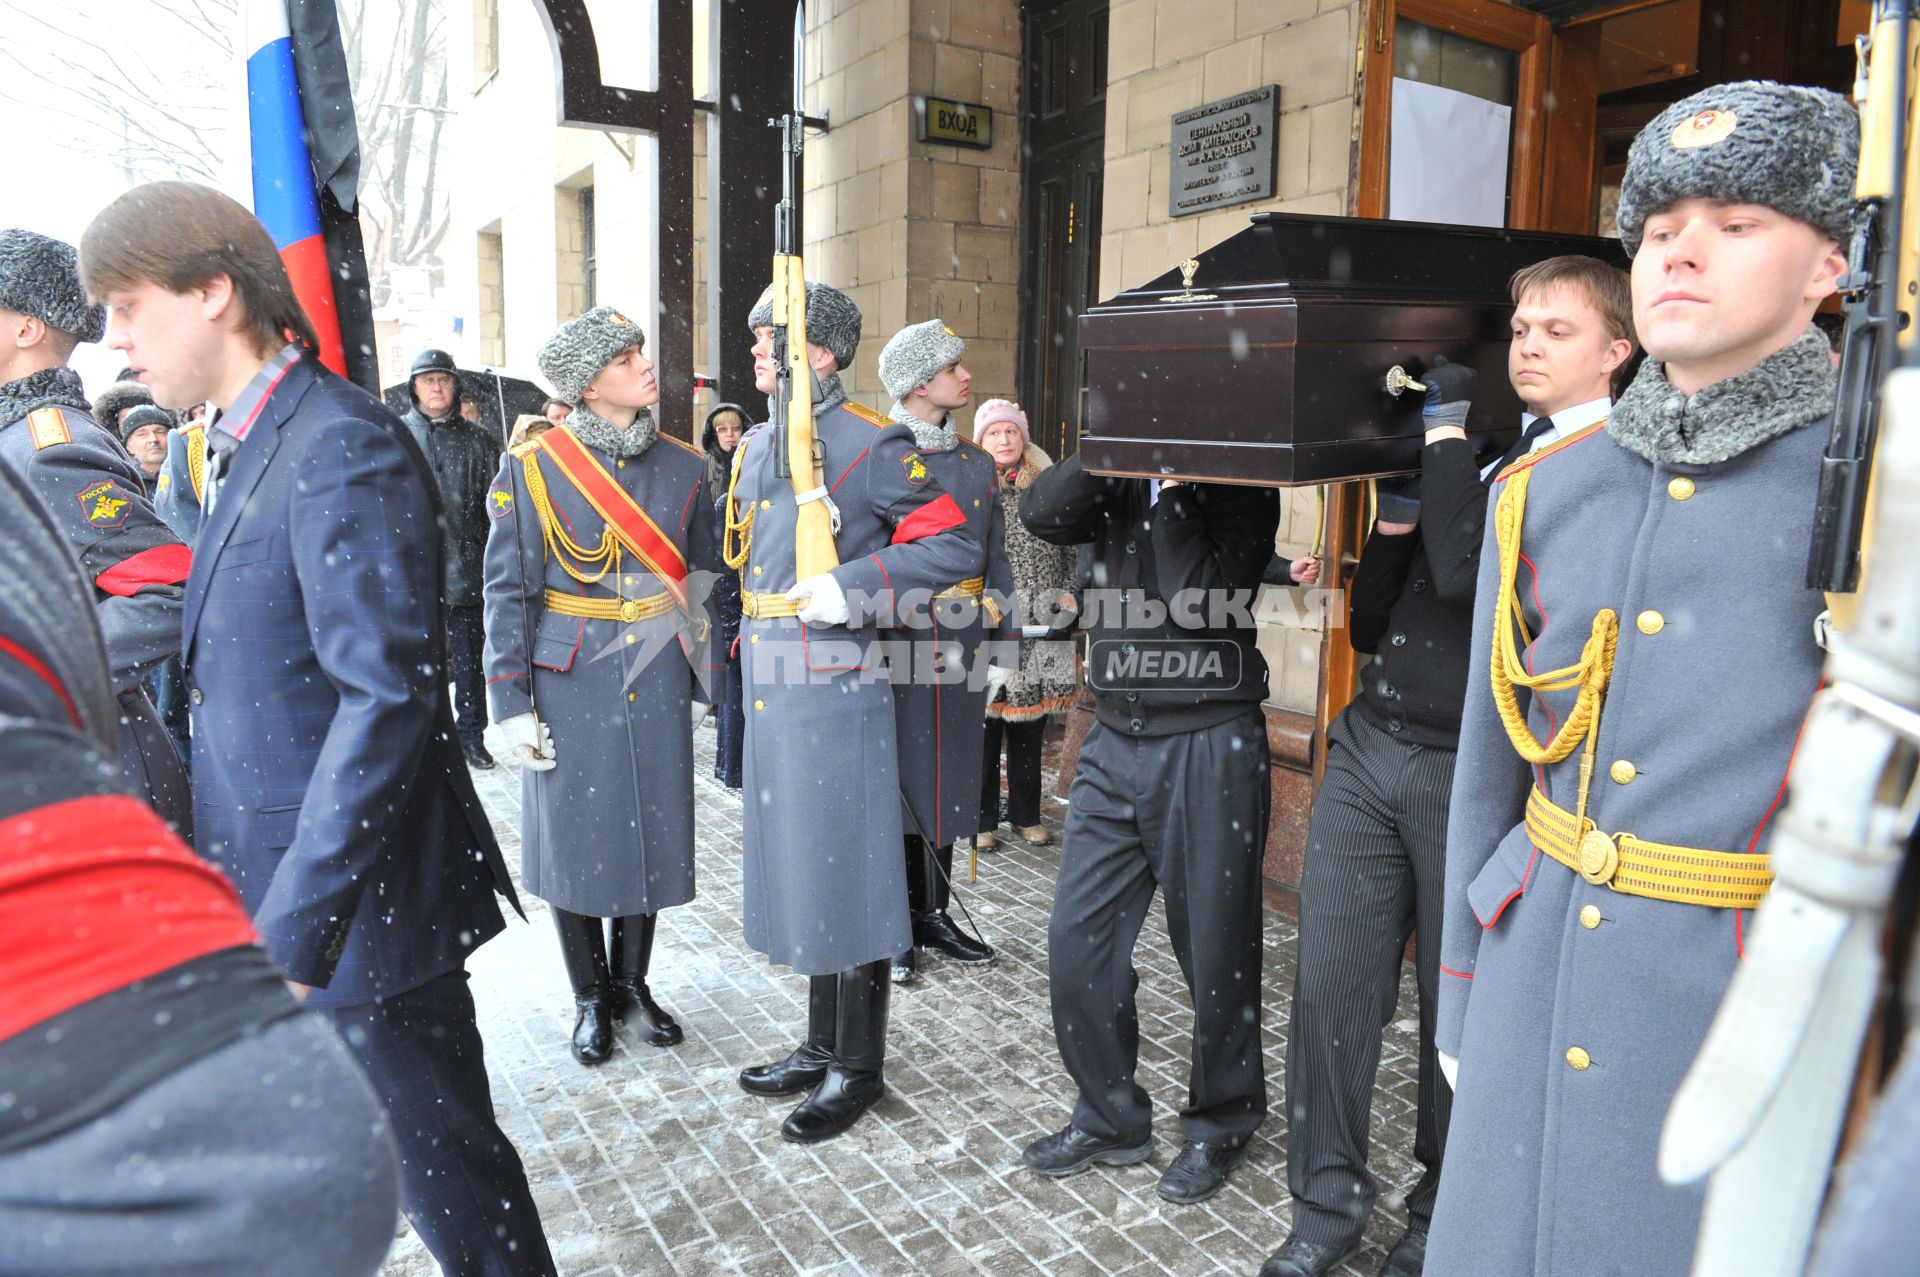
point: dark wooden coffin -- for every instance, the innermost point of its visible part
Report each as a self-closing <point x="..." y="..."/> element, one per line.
<point x="1272" y="366"/>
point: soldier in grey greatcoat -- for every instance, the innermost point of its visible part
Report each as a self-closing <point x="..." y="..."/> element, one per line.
<point x="583" y="600"/>
<point x="136" y="566"/>
<point x="1656" y="564"/>
<point x="941" y="671"/>
<point x="825" y="892"/>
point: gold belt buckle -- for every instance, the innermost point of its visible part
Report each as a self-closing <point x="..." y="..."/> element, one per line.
<point x="630" y="610"/>
<point x="1599" y="857"/>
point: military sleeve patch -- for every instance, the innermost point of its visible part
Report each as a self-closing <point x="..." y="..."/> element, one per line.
<point x="104" y="504"/>
<point x="500" y="502"/>
<point x="915" y="467"/>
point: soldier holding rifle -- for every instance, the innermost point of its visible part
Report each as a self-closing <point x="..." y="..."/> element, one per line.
<point x="1621" y="760"/>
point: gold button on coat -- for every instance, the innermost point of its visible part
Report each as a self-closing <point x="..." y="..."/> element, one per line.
<point x="1578" y="1059"/>
<point x="766" y="505"/>
<point x="759" y="704"/>
<point x="1680" y="488"/>
<point x="753" y="638"/>
<point x="631" y="697"/>
<point x="1590" y="917"/>
<point x="1623" y="772"/>
<point x="1650" y="622"/>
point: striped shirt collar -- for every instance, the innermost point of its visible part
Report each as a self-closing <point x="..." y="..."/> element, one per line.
<point x="230" y="428"/>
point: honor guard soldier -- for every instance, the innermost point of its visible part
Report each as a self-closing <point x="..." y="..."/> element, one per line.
<point x="596" y="527"/>
<point x="942" y="678"/>
<point x="1630" y="725"/>
<point x="825" y="889"/>
<point x="48" y="436"/>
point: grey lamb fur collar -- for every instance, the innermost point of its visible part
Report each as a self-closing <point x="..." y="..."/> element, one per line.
<point x="50" y="387"/>
<point x="1783" y="392"/>
<point x="940" y="438"/>
<point x="596" y="431"/>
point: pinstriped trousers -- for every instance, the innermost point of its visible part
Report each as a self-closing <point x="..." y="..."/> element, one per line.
<point x="1375" y="872"/>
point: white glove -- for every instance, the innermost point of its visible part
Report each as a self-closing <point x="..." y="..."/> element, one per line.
<point x="1449" y="1069"/>
<point x="530" y="737"/>
<point x="825" y="603"/>
<point x="997" y="677"/>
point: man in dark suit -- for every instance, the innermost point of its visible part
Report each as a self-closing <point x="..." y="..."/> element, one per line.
<point x="326" y="767"/>
<point x="1376" y="861"/>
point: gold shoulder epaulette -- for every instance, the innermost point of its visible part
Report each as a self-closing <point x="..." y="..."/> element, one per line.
<point x="866" y="414"/>
<point x="681" y="443"/>
<point x="525" y="447"/>
<point x="1559" y="445"/>
<point x="48" y="426"/>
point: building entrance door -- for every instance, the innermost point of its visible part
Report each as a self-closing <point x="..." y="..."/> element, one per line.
<point x="1066" y="114"/>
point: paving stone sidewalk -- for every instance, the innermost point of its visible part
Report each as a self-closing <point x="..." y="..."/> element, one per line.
<point x="657" y="1163"/>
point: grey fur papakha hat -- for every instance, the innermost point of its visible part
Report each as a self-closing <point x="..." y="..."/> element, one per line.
<point x="580" y="348"/>
<point x="917" y="354"/>
<point x="40" y="278"/>
<point x="1791" y="149"/>
<point x="833" y="321"/>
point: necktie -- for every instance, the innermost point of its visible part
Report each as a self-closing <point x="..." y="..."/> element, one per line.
<point x="1523" y="445"/>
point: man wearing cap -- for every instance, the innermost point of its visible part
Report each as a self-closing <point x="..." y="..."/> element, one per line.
<point x="592" y="615"/>
<point x="825" y="889"/>
<point x="48" y="436"/>
<point x="1630" y="725"/>
<point x="942" y="679"/>
<point x="326" y="779"/>
<point x="463" y="457"/>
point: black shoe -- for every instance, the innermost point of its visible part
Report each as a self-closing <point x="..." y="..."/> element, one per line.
<point x="932" y="927"/>
<point x="1071" y="1151"/>
<point x="593" y="1031"/>
<point x="1200" y="1171"/>
<point x="633" y="1000"/>
<point x="477" y="756"/>
<point x="905" y="969"/>
<point x="836" y="1104"/>
<point x="1301" y="1258"/>
<point x="801" y="1070"/>
<point x="1409" y="1254"/>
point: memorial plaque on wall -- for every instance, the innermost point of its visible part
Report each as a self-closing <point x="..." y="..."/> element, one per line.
<point x="1223" y="153"/>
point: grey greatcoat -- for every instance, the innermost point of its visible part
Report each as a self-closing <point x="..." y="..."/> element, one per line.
<point x="1551" y="1156"/>
<point x="939" y="701"/>
<point x="825" y="884"/>
<point x="134" y="562"/>
<point x="608" y="832"/>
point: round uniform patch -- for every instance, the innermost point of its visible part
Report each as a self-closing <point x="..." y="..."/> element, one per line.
<point x="500" y="502"/>
<point x="916" y="469"/>
<point x="104" y="504"/>
<point x="1704" y="129"/>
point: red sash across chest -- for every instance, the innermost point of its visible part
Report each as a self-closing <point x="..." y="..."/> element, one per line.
<point x="635" y="529"/>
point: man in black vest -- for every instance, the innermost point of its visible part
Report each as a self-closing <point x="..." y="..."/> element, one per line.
<point x="1375" y="862"/>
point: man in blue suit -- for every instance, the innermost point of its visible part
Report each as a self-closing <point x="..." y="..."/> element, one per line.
<point x="326" y="768"/>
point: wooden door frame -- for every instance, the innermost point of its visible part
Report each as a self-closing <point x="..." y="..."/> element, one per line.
<point x="1527" y="35"/>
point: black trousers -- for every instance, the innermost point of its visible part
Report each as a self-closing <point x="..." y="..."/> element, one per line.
<point x="1023" y="742"/>
<point x="730" y="726"/>
<point x="461" y="1182"/>
<point x="1186" y="814"/>
<point x="466" y="638"/>
<point x="1375" y="873"/>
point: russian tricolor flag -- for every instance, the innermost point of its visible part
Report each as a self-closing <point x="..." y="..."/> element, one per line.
<point x="285" y="198"/>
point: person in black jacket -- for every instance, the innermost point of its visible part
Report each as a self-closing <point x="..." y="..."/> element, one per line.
<point x="1375" y="862"/>
<point x="463" y="457"/>
<point x="1171" y="791"/>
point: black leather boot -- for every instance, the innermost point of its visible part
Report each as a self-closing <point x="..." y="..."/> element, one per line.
<point x="853" y="1082"/>
<point x="631" y="948"/>
<point x="906" y="969"/>
<point x="583" y="949"/>
<point x="806" y="1064"/>
<point x="932" y="928"/>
